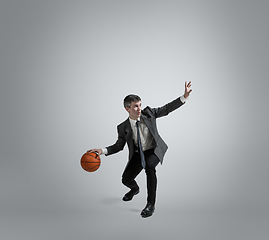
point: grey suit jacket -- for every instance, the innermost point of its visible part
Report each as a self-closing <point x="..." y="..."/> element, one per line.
<point x="149" y="115"/>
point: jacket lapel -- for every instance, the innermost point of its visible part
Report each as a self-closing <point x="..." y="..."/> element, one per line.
<point x="148" y="123"/>
<point x="128" y="131"/>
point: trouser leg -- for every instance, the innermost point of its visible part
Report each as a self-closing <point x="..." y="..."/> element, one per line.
<point x="151" y="163"/>
<point x="131" y="172"/>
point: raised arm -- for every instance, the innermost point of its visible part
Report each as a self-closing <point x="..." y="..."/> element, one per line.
<point x="170" y="107"/>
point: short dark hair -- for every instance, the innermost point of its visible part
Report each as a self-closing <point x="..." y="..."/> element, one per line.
<point x="129" y="99"/>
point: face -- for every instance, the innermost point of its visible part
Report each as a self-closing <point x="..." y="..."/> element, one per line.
<point x="135" y="110"/>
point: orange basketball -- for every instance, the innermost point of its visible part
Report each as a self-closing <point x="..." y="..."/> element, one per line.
<point x="90" y="162"/>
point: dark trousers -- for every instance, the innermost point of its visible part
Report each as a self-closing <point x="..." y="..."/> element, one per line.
<point x="135" y="167"/>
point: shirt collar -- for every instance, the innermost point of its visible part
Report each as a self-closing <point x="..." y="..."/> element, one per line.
<point x="133" y="122"/>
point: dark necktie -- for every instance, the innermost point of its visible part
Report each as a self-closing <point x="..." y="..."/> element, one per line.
<point x="143" y="162"/>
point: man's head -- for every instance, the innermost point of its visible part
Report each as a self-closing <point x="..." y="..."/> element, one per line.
<point x="132" y="104"/>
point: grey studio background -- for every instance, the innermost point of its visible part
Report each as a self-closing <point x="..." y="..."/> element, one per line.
<point x="66" y="67"/>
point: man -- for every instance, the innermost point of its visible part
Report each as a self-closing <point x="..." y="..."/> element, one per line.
<point x="146" y="147"/>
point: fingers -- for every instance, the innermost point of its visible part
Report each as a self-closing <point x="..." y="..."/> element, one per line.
<point x="187" y="85"/>
<point x="99" y="151"/>
<point x="92" y="150"/>
<point x="187" y="89"/>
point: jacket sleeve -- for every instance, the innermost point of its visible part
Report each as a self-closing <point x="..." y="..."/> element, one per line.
<point x="119" y="145"/>
<point x="167" y="108"/>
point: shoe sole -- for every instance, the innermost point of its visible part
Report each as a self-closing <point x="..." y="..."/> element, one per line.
<point x="145" y="216"/>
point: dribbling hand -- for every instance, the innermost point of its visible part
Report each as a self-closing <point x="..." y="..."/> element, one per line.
<point x="99" y="151"/>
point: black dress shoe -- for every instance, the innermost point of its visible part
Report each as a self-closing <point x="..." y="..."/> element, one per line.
<point x="148" y="210"/>
<point x="129" y="195"/>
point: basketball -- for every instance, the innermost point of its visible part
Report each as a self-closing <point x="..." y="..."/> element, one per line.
<point x="90" y="162"/>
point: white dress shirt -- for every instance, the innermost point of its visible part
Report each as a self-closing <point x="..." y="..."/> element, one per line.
<point x="146" y="138"/>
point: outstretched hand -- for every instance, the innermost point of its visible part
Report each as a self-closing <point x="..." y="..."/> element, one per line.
<point x="188" y="89"/>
